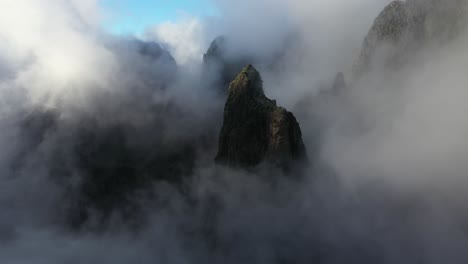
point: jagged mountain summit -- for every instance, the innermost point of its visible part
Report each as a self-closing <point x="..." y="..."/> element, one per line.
<point x="255" y="129"/>
<point x="403" y="27"/>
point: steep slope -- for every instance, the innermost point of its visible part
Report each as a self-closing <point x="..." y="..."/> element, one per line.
<point x="402" y="28"/>
<point x="255" y="129"/>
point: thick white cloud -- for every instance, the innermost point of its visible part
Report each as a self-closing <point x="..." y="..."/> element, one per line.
<point x="53" y="47"/>
<point x="405" y="129"/>
<point x="185" y="39"/>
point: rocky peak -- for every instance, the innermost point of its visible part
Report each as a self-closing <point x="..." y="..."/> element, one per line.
<point x="390" y="27"/>
<point x="391" y="23"/>
<point x="255" y="129"/>
<point x="248" y="83"/>
<point x="216" y="49"/>
<point x="404" y="27"/>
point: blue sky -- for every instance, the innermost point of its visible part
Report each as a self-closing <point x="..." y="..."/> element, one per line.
<point x="132" y="16"/>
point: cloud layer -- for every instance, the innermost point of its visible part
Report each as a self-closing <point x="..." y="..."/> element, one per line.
<point x="108" y="141"/>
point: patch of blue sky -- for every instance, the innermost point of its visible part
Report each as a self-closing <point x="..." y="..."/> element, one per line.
<point x="133" y="16"/>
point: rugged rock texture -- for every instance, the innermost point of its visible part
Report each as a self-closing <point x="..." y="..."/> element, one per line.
<point x="403" y="27"/>
<point x="255" y="129"/>
<point x="390" y="27"/>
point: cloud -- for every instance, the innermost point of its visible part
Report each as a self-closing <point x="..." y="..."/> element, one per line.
<point x="185" y="39"/>
<point x="54" y="49"/>
<point x="98" y="128"/>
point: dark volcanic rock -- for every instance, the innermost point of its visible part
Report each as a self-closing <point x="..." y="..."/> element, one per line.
<point x="255" y="129"/>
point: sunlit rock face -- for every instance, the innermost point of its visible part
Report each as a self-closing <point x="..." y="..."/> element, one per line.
<point x="404" y="27"/>
<point x="255" y="129"/>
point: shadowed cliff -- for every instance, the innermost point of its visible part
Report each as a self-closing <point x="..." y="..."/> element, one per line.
<point x="255" y="129"/>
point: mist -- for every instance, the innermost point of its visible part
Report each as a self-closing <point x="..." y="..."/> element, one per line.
<point x="108" y="141"/>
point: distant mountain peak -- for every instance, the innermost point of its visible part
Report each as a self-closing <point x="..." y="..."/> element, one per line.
<point x="404" y="27"/>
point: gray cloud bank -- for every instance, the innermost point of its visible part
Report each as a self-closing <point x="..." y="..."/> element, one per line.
<point x="108" y="141"/>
